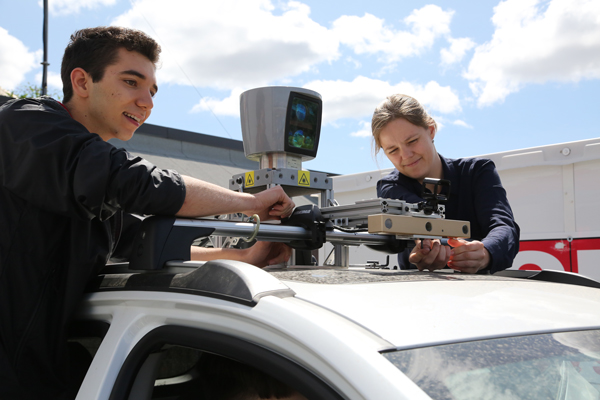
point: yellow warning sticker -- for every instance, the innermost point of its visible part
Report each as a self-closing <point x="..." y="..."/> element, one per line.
<point x="304" y="178"/>
<point x="249" y="181"/>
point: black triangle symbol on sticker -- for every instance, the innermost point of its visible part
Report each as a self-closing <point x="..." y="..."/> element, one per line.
<point x="303" y="180"/>
<point x="249" y="181"/>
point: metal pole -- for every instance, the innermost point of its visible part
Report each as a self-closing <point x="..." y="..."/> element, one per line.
<point x="283" y="233"/>
<point x="45" y="62"/>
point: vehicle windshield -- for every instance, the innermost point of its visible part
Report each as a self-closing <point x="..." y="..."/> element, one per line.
<point x="558" y="366"/>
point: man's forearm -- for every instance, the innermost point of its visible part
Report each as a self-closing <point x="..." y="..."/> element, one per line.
<point x="204" y="199"/>
<point x="209" y="254"/>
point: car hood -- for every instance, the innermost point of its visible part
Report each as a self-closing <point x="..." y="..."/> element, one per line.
<point x="422" y="312"/>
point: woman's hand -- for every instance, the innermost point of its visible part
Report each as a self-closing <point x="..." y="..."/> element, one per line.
<point x="468" y="257"/>
<point x="429" y="254"/>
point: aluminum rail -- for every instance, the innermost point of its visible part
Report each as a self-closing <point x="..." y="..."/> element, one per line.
<point x="282" y="233"/>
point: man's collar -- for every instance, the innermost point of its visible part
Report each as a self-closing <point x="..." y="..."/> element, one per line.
<point x="63" y="106"/>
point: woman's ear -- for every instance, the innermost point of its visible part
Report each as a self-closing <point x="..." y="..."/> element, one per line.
<point x="80" y="80"/>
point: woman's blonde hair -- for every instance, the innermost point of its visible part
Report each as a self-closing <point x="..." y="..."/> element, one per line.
<point x="398" y="106"/>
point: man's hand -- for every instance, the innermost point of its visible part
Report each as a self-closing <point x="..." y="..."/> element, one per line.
<point x="468" y="257"/>
<point x="203" y="199"/>
<point x="429" y="254"/>
<point x="272" y="203"/>
<point x="260" y="254"/>
<point x="263" y="254"/>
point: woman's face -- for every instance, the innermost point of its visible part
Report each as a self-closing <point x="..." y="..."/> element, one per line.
<point x="410" y="148"/>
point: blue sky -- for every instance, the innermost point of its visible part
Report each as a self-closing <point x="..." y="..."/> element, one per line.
<point x="495" y="75"/>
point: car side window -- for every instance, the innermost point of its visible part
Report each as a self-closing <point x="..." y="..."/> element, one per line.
<point x="184" y="363"/>
<point x="182" y="373"/>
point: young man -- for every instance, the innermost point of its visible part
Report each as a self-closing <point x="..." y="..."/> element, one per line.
<point x="64" y="192"/>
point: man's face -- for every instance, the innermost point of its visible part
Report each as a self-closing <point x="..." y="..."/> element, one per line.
<point x="122" y="100"/>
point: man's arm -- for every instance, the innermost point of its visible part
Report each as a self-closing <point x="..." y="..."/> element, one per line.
<point x="261" y="254"/>
<point x="204" y="199"/>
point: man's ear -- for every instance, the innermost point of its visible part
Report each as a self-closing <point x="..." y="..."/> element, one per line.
<point x="432" y="132"/>
<point x="81" y="80"/>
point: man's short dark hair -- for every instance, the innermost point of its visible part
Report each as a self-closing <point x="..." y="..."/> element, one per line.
<point x="94" y="49"/>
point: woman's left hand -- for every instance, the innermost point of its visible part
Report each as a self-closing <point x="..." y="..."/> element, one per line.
<point x="468" y="257"/>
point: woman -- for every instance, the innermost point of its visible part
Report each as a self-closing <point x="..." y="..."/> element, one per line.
<point x="405" y="132"/>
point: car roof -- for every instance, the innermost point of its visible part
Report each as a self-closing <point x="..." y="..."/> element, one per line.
<point x="413" y="309"/>
<point x="405" y="308"/>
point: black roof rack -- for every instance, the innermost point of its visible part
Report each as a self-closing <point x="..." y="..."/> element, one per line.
<point x="224" y="279"/>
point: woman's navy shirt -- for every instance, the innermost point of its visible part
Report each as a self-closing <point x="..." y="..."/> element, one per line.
<point x="476" y="195"/>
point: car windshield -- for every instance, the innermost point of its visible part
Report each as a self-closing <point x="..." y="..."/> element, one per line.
<point x="558" y="366"/>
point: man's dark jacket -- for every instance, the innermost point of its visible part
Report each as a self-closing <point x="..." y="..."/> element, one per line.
<point x="62" y="193"/>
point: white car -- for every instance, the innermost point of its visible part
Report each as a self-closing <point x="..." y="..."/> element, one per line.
<point x="332" y="333"/>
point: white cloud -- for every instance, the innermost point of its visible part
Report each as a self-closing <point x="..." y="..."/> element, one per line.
<point x="232" y="43"/>
<point x="536" y="41"/>
<point x="364" y="131"/>
<point x="357" y="64"/>
<point x="358" y="98"/>
<point x="440" y="121"/>
<point x="53" y="79"/>
<point x="369" y="34"/>
<point x="462" y="123"/>
<point x="229" y="106"/>
<point x="65" y="7"/>
<point x="457" y="50"/>
<point x="15" y="60"/>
